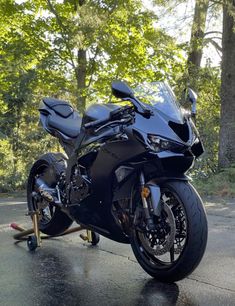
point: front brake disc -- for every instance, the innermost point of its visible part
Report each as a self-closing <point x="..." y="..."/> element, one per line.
<point x="154" y="245"/>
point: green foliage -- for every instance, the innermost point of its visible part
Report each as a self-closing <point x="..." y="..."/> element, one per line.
<point x="6" y="162"/>
<point x="208" y="116"/>
<point x="221" y="184"/>
<point x="39" y="44"/>
<point x="39" y="47"/>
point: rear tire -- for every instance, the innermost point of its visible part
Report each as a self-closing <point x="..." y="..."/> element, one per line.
<point x="49" y="166"/>
<point x="195" y="241"/>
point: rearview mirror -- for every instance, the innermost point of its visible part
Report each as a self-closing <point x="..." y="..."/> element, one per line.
<point x="121" y="90"/>
<point x="191" y="96"/>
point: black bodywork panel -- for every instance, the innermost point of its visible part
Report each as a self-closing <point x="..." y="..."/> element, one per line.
<point x="96" y="210"/>
<point x="113" y="158"/>
<point x="69" y="127"/>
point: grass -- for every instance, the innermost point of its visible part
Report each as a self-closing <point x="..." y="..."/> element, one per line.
<point x="14" y="195"/>
<point x="221" y="184"/>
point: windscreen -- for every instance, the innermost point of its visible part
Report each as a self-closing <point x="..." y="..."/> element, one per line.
<point x="161" y="97"/>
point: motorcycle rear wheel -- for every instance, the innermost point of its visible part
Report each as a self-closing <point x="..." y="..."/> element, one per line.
<point x="190" y="236"/>
<point x="52" y="220"/>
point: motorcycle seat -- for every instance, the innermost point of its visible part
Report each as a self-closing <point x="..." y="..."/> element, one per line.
<point x="63" y="117"/>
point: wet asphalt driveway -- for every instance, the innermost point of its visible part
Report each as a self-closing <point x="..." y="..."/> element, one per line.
<point x="66" y="271"/>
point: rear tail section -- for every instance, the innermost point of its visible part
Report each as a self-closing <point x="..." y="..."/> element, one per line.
<point x="60" y="120"/>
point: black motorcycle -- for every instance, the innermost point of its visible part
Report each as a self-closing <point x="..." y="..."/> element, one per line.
<point x="123" y="176"/>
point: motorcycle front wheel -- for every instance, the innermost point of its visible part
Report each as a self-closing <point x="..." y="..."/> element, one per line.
<point x="177" y="246"/>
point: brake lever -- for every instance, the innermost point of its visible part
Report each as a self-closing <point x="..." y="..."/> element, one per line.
<point x="140" y="108"/>
<point x="119" y="112"/>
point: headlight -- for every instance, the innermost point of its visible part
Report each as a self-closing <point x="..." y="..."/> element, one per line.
<point x="158" y="144"/>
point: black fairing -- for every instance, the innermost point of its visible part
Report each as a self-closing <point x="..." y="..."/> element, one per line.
<point x="113" y="156"/>
<point x="197" y="149"/>
<point x="182" y="130"/>
<point x="130" y="151"/>
<point x="109" y="157"/>
<point x="98" y="112"/>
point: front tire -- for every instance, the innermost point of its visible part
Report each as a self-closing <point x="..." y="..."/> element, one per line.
<point x="180" y="195"/>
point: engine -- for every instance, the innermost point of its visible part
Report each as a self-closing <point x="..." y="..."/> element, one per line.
<point x="80" y="185"/>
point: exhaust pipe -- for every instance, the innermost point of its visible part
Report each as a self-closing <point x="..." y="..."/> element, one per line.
<point x="44" y="190"/>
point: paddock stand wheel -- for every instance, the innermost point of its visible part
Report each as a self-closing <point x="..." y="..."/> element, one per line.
<point x="93" y="237"/>
<point x="32" y="243"/>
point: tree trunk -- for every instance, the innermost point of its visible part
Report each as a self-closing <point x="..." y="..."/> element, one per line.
<point x="227" y="120"/>
<point x="197" y="37"/>
<point x="81" y="71"/>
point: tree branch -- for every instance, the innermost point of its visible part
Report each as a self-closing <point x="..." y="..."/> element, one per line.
<point x="63" y="31"/>
<point x="92" y="66"/>
<point x="212" y="32"/>
<point x="214" y="43"/>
